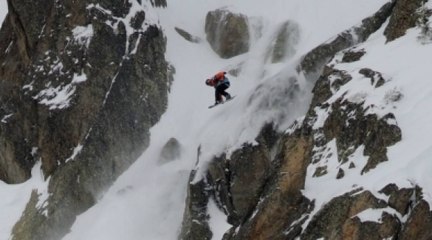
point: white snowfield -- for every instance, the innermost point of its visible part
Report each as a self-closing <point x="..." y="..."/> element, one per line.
<point x="3" y="10"/>
<point x="147" y="201"/>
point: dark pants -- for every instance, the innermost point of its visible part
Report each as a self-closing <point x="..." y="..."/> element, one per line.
<point x="220" y="90"/>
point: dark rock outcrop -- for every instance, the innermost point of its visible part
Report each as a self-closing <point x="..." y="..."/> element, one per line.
<point x="195" y="224"/>
<point x="334" y="220"/>
<point x="278" y="215"/>
<point x="419" y="223"/>
<point x="352" y="56"/>
<point x="314" y="61"/>
<point x="79" y="92"/>
<point x="170" y="151"/>
<point x="239" y="181"/>
<point x="227" y="33"/>
<point x="404" y="17"/>
<point x="187" y="36"/>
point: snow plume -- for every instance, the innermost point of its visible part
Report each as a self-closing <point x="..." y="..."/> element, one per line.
<point x="280" y="99"/>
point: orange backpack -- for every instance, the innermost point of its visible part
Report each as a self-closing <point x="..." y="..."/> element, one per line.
<point x="219" y="76"/>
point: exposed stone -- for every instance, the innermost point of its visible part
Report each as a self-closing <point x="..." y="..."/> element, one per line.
<point x="419" y="224"/>
<point x="333" y="221"/>
<point x="400" y="199"/>
<point x="387" y="228"/>
<point x="21" y="229"/>
<point x="137" y="20"/>
<point x="195" y="218"/>
<point x="238" y="181"/>
<point x="227" y="33"/>
<point x="284" y="200"/>
<point x="117" y="86"/>
<point x="187" y="35"/>
<point x="405" y="16"/>
<point x="375" y="77"/>
<point x="320" y="171"/>
<point x="340" y="173"/>
<point x="314" y="61"/>
<point x="380" y="135"/>
<point x="170" y="151"/>
<point x="353" y="56"/>
<point x="249" y="170"/>
<point x="351" y="127"/>
<point x="158" y="3"/>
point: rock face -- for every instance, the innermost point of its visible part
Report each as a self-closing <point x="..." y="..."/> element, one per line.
<point x="405" y="16"/>
<point x="227" y="33"/>
<point x="80" y="87"/>
<point x="170" y="151"/>
<point x="187" y="36"/>
<point x="261" y="188"/>
<point x="313" y="61"/>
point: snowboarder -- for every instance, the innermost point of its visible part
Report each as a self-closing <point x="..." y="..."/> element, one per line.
<point x="221" y="83"/>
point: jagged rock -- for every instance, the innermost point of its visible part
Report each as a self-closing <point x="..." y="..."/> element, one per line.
<point x="227" y="33"/>
<point x="284" y="200"/>
<point x="381" y="134"/>
<point x="115" y="86"/>
<point x="314" y="61"/>
<point x="21" y="228"/>
<point x="405" y="16"/>
<point x="287" y="38"/>
<point x="187" y="35"/>
<point x="351" y="127"/>
<point x="347" y="121"/>
<point x="387" y="228"/>
<point x="195" y="218"/>
<point x="400" y="199"/>
<point x="137" y="20"/>
<point x="323" y="87"/>
<point x="219" y="179"/>
<point x="170" y="151"/>
<point x="157" y="3"/>
<point x="340" y="173"/>
<point x="320" y="171"/>
<point x="375" y="77"/>
<point x="352" y="56"/>
<point x="334" y="221"/>
<point x="238" y="181"/>
<point x="419" y="224"/>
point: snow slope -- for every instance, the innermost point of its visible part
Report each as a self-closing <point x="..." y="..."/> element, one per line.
<point x="147" y="201"/>
<point x="405" y="66"/>
<point x="3" y="10"/>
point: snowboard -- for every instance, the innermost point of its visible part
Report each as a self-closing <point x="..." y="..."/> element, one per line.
<point x="214" y="105"/>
